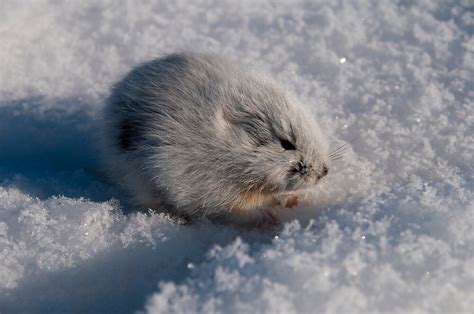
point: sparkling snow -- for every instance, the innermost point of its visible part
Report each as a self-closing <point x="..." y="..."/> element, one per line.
<point x="391" y="229"/>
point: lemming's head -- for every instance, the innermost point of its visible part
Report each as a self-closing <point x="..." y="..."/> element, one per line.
<point x="274" y="143"/>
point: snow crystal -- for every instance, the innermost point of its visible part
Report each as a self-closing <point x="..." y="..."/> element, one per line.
<point x="390" y="229"/>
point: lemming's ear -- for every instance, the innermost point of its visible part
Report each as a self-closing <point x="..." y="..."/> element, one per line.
<point x="248" y="124"/>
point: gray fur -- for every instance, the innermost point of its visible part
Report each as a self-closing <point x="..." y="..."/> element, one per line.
<point x="188" y="133"/>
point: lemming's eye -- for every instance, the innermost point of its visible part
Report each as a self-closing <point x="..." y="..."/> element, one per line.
<point x="287" y="145"/>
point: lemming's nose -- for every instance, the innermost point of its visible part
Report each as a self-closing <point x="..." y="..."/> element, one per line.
<point x="324" y="172"/>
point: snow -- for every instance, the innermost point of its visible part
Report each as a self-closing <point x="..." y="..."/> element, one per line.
<point x="391" y="229"/>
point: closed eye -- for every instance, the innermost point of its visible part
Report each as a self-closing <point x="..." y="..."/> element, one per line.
<point x="287" y="145"/>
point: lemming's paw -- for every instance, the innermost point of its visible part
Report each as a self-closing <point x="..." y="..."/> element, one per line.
<point x="292" y="201"/>
<point x="287" y="200"/>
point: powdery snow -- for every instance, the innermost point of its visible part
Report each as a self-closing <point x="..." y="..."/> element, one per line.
<point x="391" y="229"/>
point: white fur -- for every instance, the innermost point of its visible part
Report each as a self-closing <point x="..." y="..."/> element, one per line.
<point x="189" y="133"/>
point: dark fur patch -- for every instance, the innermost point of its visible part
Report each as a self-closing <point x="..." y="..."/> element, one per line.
<point x="128" y="136"/>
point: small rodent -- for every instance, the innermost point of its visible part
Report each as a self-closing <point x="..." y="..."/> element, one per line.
<point x="199" y="136"/>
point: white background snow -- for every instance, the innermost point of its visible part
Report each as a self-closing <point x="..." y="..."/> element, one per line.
<point x="391" y="229"/>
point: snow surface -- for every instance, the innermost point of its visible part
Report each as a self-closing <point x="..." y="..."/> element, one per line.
<point x="391" y="229"/>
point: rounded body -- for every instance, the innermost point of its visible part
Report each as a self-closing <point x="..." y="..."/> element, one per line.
<point x="197" y="135"/>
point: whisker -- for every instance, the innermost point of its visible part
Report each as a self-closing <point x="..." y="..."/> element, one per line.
<point x="338" y="155"/>
<point x="340" y="151"/>
<point x="336" y="158"/>
<point x="347" y="143"/>
<point x="338" y="148"/>
<point x="341" y="157"/>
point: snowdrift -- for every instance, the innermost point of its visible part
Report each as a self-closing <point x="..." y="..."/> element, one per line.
<point x="391" y="229"/>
